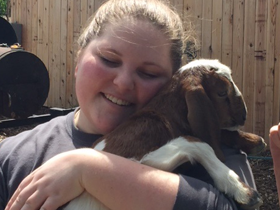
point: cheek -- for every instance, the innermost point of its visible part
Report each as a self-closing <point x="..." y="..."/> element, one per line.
<point x="89" y="77"/>
<point x="150" y="90"/>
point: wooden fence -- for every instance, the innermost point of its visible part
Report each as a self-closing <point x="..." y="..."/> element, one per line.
<point x="241" y="33"/>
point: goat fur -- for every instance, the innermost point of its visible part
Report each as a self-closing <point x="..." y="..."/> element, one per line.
<point x="182" y="123"/>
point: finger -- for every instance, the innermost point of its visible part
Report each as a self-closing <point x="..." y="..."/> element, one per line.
<point x="17" y="198"/>
<point x="34" y="202"/>
<point x="25" y="195"/>
<point x="27" y="201"/>
<point x="52" y="203"/>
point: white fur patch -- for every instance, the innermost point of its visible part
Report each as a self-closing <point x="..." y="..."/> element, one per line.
<point x="171" y="155"/>
<point x="101" y="145"/>
<point x="180" y="150"/>
<point x="208" y="64"/>
<point x="85" y="202"/>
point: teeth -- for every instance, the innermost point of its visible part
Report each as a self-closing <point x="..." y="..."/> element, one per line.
<point x="116" y="100"/>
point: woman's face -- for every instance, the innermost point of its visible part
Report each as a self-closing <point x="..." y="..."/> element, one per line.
<point x="118" y="73"/>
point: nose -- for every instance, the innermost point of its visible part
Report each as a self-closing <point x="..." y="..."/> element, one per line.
<point x="124" y="81"/>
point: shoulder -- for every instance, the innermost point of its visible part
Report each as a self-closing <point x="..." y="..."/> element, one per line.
<point x="34" y="140"/>
<point x="42" y="130"/>
<point x="23" y="153"/>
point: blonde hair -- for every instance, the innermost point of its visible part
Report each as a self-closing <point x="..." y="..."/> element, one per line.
<point x="157" y="12"/>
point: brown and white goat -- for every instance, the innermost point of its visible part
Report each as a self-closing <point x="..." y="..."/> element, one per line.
<point x="200" y="107"/>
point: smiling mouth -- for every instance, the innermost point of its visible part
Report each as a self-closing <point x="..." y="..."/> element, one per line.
<point x="116" y="100"/>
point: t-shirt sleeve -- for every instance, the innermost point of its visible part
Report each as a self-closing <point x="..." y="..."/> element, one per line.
<point x="3" y="191"/>
<point x="194" y="193"/>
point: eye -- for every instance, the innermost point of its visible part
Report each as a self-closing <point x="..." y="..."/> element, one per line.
<point x="110" y="62"/>
<point x="222" y="93"/>
<point x="147" y="75"/>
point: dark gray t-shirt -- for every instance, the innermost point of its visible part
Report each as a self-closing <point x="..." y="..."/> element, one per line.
<point x="23" y="153"/>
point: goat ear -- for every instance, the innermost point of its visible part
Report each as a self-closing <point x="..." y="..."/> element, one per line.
<point x="203" y="118"/>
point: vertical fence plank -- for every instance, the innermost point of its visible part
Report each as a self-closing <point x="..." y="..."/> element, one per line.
<point x="227" y="30"/>
<point x="39" y="23"/>
<point x="276" y="86"/>
<point x="206" y="31"/>
<point x="56" y="52"/>
<point x="13" y="11"/>
<point x="83" y="12"/>
<point x="238" y="42"/>
<point x="91" y="8"/>
<point x="46" y="34"/>
<point x="18" y="12"/>
<point x="28" y="38"/>
<point x="217" y="29"/>
<point x="23" y="15"/>
<point x="260" y="67"/>
<point x="34" y="25"/>
<point x="192" y="15"/>
<point x="50" y="52"/>
<point x="248" y="62"/>
<point x="70" y="55"/>
<point x="198" y="7"/>
<point x="63" y="42"/>
<point x="77" y="30"/>
<point x="270" y="67"/>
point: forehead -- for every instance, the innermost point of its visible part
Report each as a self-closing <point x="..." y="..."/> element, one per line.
<point x="138" y="32"/>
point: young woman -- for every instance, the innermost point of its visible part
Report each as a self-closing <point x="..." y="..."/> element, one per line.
<point x="274" y="136"/>
<point x="129" y="50"/>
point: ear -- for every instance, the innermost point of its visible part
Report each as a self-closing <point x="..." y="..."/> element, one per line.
<point x="203" y="118"/>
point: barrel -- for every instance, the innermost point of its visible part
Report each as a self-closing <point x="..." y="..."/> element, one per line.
<point x="7" y="34"/>
<point x="24" y="83"/>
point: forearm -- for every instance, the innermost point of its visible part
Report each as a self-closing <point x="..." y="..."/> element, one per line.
<point x="122" y="184"/>
<point x="275" y="152"/>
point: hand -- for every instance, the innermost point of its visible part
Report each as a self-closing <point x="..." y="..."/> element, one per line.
<point x="50" y="186"/>
<point x="274" y="135"/>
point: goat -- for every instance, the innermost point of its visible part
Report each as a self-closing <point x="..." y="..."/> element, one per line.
<point x="186" y="122"/>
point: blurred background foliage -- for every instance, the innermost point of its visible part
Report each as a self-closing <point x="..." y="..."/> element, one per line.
<point x="4" y="8"/>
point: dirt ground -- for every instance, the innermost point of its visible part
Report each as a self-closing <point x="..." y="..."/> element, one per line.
<point x="262" y="167"/>
<point x="265" y="180"/>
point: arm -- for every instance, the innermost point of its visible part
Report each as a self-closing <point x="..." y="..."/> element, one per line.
<point x="107" y="181"/>
<point x="274" y="136"/>
<point x="198" y="194"/>
<point x="115" y="181"/>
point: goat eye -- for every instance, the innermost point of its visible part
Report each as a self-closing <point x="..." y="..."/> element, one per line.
<point x="222" y="93"/>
